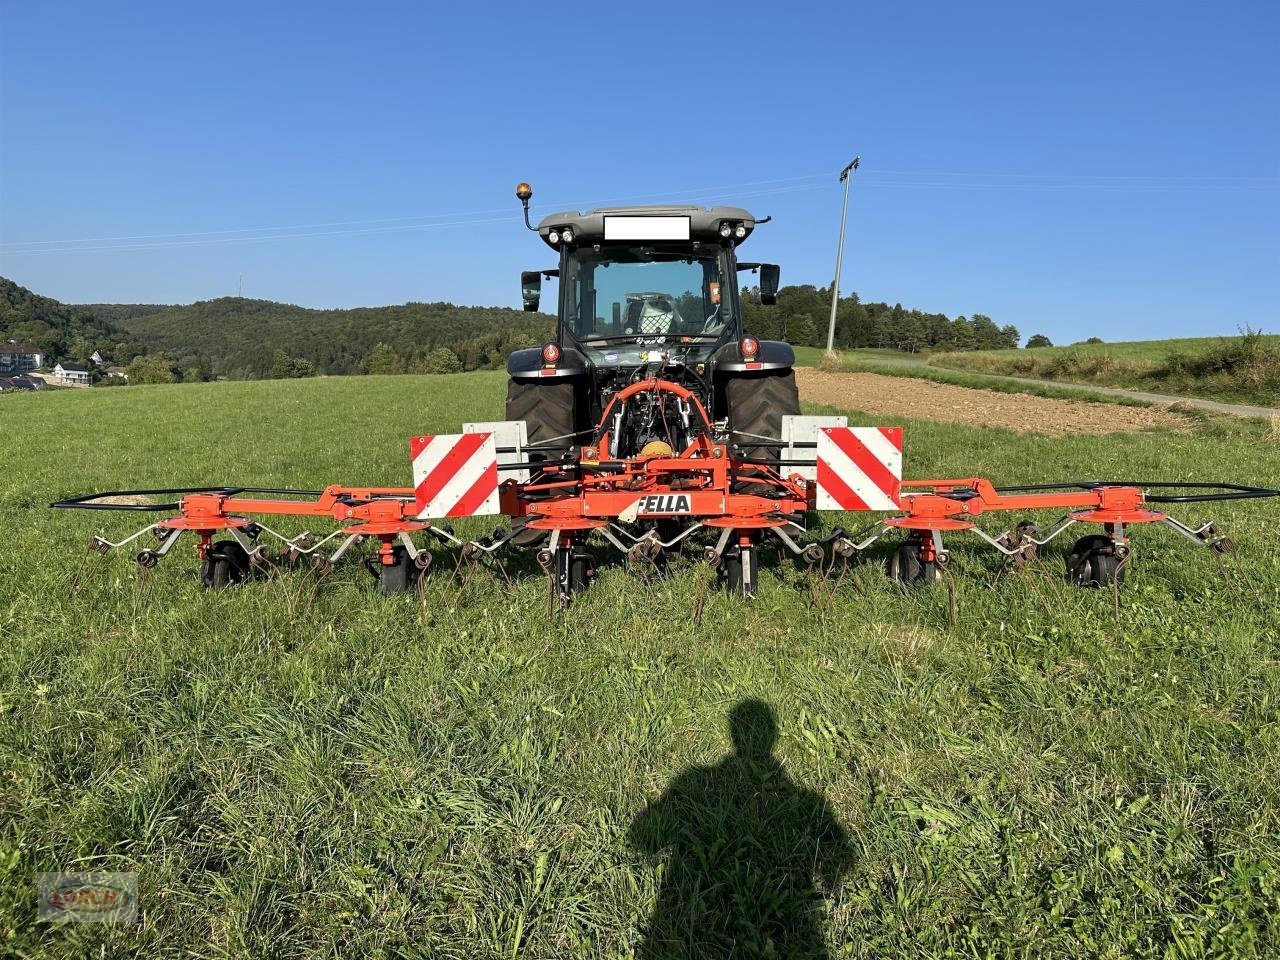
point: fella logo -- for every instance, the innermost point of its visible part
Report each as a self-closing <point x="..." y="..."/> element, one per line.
<point x="667" y="503"/>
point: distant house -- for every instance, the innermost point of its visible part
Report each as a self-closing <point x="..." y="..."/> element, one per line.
<point x="97" y="358"/>
<point x="118" y="373"/>
<point x="17" y="357"/>
<point x="21" y="382"/>
<point x="72" y="374"/>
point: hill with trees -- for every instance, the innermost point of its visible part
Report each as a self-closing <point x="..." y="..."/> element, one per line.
<point x="242" y="339"/>
<point x="803" y="312"/>
<point x="60" y="330"/>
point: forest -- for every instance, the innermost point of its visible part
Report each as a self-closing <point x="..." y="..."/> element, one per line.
<point x="242" y="339"/>
<point x="803" y="313"/>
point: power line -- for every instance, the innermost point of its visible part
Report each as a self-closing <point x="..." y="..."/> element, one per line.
<point x="385" y="220"/>
<point x="1075" y="176"/>
<point x="775" y="187"/>
<point x="280" y="236"/>
<point x="1078" y="187"/>
<point x="212" y="240"/>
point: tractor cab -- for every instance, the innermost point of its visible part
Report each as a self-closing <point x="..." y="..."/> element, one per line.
<point x="642" y="282"/>
<point x="645" y="292"/>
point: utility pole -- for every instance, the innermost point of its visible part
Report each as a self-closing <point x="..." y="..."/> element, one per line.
<point x="240" y="287"/>
<point x="835" y="287"/>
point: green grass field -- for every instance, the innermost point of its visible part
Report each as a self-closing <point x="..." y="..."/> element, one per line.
<point x="1154" y="350"/>
<point x="812" y="356"/>
<point x="299" y="771"/>
<point x="1240" y="369"/>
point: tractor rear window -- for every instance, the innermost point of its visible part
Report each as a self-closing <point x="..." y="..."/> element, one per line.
<point x="644" y="291"/>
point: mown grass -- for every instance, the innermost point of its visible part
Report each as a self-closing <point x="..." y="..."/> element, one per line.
<point x="1244" y="369"/>
<point x="854" y="363"/>
<point x="297" y="770"/>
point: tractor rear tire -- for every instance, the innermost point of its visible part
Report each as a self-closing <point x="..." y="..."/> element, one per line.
<point x="756" y="404"/>
<point x="548" y="412"/>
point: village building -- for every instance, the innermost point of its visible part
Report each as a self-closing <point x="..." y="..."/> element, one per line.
<point x="71" y="374"/>
<point x="18" y="358"/>
<point x="23" y="381"/>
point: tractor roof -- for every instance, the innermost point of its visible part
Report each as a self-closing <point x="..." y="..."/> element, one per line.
<point x="704" y="222"/>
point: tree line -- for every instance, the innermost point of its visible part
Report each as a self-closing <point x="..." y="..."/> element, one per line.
<point x="238" y="338"/>
<point x="802" y="315"/>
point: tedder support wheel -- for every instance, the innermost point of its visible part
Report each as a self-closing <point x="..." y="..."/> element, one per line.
<point x="548" y="412"/>
<point x="396" y="577"/>
<point x="740" y="570"/>
<point x="573" y="574"/>
<point x="227" y="564"/>
<point x="910" y="569"/>
<point x="756" y="404"/>
<point x="1096" y="561"/>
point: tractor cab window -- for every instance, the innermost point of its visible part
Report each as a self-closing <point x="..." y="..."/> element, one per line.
<point x="648" y="294"/>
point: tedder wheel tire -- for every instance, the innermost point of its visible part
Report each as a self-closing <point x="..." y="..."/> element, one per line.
<point x="580" y="572"/>
<point x="572" y="574"/>
<point x="1093" y="562"/>
<point x="907" y="568"/>
<point x="756" y="404"/>
<point x="227" y="564"/>
<point x="548" y="412"/>
<point x="736" y="579"/>
<point x="394" y="578"/>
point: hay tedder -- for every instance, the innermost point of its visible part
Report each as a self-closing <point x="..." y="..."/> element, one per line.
<point x="654" y="423"/>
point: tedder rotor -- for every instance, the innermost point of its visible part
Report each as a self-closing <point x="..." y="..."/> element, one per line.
<point x="653" y="422"/>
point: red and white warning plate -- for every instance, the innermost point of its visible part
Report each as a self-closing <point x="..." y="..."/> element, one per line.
<point x="455" y="475"/>
<point x="859" y="468"/>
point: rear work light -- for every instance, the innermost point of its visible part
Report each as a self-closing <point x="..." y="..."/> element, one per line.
<point x="550" y="353"/>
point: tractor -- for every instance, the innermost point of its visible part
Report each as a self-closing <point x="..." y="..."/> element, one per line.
<point x="653" y="421"/>
<point x="649" y="293"/>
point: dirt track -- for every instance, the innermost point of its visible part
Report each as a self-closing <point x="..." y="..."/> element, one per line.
<point x="925" y="400"/>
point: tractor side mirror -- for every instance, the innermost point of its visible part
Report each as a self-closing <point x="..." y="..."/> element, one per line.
<point x="769" y="274"/>
<point x="531" y="289"/>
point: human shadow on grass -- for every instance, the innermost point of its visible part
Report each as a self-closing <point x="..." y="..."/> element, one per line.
<point x="744" y="849"/>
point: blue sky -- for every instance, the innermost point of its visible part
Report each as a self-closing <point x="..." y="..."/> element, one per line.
<point x="1079" y="169"/>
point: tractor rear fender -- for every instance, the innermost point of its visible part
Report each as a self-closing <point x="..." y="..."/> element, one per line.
<point x="528" y="364"/>
<point x="772" y="355"/>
